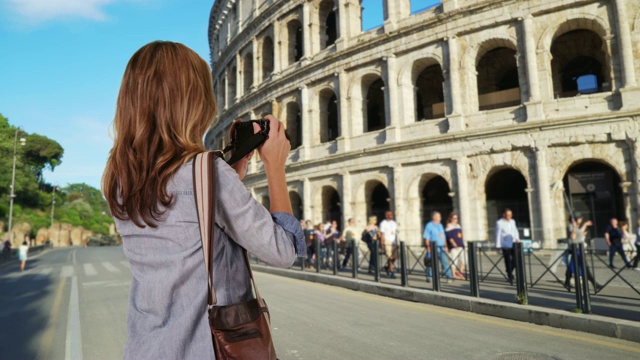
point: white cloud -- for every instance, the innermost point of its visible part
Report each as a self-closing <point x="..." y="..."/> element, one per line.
<point x="44" y="10"/>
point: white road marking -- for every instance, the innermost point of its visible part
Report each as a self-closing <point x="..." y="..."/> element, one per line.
<point x="90" y="270"/>
<point x="74" y="257"/>
<point x="67" y="271"/>
<point x="73" y="343"/>
<point x="109" y="266"/>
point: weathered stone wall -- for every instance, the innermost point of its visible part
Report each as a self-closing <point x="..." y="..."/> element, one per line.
<point x="60" y="234"/>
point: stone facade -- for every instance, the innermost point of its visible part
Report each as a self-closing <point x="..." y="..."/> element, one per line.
<point x="471" y="105"/>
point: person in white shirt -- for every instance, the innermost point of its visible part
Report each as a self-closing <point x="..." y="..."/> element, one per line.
<point x="23" y="250"/>
<point x="506" y="235"/>
<point x="389" y="231"/>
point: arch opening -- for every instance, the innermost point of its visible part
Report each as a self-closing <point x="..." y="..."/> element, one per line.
<point x="296" y="204"/>
<point x="267" y="58"/>
<point x="295" y="39"/>
<point x="232" y="84"/>
<point x="294" y="124"/>
<point x="378" y="199"/>
<point x="498" y="80"/>
<point x="331" y="205"/>
<point x="429" y="93"/>
<point x="506" y="188"/>
<point x="329" y="23"/>
<point x="434" y="196"/>
<point x="593" y="189"/>
<point x="375" y="108"/>
<point x="247" y="73"/>
<point x="329" y="123"/>
<point x="579" y="64"/>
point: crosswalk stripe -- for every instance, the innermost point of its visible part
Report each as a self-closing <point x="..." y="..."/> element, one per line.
<point x="109" y="266"/>
<point x="67" y="271"/>
<point x="43" y="274"/>
<point x="125" y="263"/>
<point x="90" y="270"/>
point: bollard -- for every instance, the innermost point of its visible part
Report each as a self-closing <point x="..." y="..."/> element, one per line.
<point x="435" y="269"/>
<point x="521" y="276"/>
<point x="318" y="254"/>
<point x="376" y="261"/>
<point x="336" y="258"/>
<point x="403" y="264"/>
<point x="354" y="260"/>
<point x="473" y="269"/>
<point x="586" y="297"/>
<point x="576" y="276"/>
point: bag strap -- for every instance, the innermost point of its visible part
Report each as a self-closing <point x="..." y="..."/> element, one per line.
<point x="204" y="184"/>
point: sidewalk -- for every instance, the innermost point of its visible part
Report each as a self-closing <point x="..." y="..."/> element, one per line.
<point x="503" y="305"/>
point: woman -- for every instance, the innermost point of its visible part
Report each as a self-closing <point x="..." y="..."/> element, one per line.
<point x="165" y="106"/>
<point x="637" y="244"/>
<point x="627" y="243"/>
<point x="320" y="237"/>
<point x="371" y="234"/>
<point x="23" y="252"/>
<point x="455" y="244"/>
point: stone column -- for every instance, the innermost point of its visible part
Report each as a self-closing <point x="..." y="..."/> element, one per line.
<point x="225" y="90"/>
<point x="305" y="113"/>
<point x="347" y="199"/>
<point x="239" y="77"/>
<point x="534" y="104"/>
<point x="306" y="201"/>
<point x="277" y="48"/>
<point x="307" y="29"/>
<point x="348" y="21"/>
<point x="400" y="204"/>
<point x="630" y="90"/>
<point x="544" y="198"/>
<point x="275" y="109"/>
<point x="453" y="85"/>
<point x="462" y="192"/>
<point x="391" y="99"/>
<point x="257" y="65"/>
<point x="394" y="12"/>
<point x="345" y="111"/>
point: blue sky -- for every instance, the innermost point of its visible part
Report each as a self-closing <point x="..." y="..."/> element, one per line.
<point x="62" y="62"/>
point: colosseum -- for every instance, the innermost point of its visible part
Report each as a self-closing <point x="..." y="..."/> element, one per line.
<point x="472" y="105"/>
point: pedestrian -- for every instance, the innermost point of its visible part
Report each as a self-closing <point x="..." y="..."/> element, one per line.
<point x="23" y="251"/>
<point x="320" y="238"/>
<point x="576" y="233"/>
<point x="637" y="243"/>
<point x="506" y="235"/>
<point x="370" y="235"/>
<point x="389" y="241"/>
<point x="331" y="236"/>
<point x="613" y="235"/>
<point x="165" y="106"/>
<point x="455" y="244"/>
<point x="627" y="242"/>
<point x="6" y="251"/>
<point x="349" y="237"/>
<point x="434" y="231"/>
<point x="309" y="237"/>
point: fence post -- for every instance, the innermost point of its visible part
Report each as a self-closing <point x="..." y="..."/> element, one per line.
<point x="521" y="276"/>
<point x="403" y="264"/>
<point x="585" y="280"/>
<point x="336" y="257"/>
<point x="354" y="259"/>
<point x="318" y="255"/>
<point x="473" y="269"/>
<point x="576" y="275"/>
<point x="376" y="261"/>
<point x="435" y="269"/>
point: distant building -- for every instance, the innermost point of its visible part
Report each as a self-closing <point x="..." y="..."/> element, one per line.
<point x="470" y="105"/>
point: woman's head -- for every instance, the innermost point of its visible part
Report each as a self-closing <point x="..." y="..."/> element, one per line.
<point x="165" y="106"/>
<point x="373" y="220"/>
<point x="24" y="242"/>
<point x="453" y="218"/>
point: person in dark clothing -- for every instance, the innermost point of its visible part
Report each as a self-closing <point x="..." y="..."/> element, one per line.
<point x="613" y="235"/>
<point x="369" y="236"/>
<point x="348" y="238"/>
<point x="309" y="237"/>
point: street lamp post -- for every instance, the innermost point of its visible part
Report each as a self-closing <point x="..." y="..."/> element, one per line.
<point x="23" y="141"/>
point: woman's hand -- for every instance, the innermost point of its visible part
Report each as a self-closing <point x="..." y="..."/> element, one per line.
<point x="275" y="150"/>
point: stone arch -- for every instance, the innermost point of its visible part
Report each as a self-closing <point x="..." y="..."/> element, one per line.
<point x="321" y="200"/>
<point x="247" y="72"/>
<point x="427" y="79"/>
<point x="378" y="199"/>
<point x="407" y="75"/>
<point x="373" y="103"/>
<point x="293" y="123"/>
<point x="267" y="57"/>
<point x="297" y="205"/>
<point x="328" y="20"/>
<point x="573" y="22"/>
<point x="434" y="196"/>
<point x="294" y="41"/>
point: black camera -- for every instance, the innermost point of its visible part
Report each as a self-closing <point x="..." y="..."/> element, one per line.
<point x="244" y="139"/>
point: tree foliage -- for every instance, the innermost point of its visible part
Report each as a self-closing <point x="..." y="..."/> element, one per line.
<point x="76" y="204"/>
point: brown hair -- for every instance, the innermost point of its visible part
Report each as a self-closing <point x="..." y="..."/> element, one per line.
<point x="450" y="217"/>
<point x="165" y="106"/>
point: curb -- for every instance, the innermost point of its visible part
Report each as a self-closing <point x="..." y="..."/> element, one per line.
<point x="594" y="324"/>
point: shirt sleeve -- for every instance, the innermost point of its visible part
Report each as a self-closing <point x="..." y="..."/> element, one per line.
<point x="425" y="234"/>
<point x="271" y="238"/>
<point x="292" y="226"/>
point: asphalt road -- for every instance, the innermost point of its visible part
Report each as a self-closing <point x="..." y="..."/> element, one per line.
<point x="72" y="303"/>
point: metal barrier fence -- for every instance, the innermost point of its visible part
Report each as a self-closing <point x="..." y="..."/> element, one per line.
<point x="484" y="264"/>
